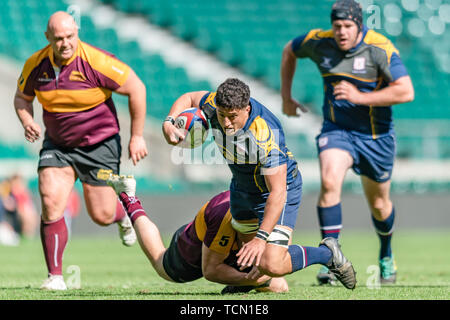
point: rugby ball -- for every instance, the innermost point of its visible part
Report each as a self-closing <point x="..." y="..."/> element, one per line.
<point x="195" y="127"/>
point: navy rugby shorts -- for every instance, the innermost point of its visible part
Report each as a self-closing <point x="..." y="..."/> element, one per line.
<point x="248" y="206"/>
<point x="371" y="158"/>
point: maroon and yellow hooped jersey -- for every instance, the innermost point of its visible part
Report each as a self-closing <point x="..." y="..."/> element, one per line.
<point x="76" y="98"/>
<point x="211" y="227"/>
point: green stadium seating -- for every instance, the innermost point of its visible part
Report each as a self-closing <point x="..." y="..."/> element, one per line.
<point x="235" y="30"/>
<point x="14" y="151"/>
<point x="249" y="35"/>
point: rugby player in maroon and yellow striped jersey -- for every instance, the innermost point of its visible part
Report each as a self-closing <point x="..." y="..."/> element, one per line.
<point x="74" y="82"/>
<point x="205" y="247"/>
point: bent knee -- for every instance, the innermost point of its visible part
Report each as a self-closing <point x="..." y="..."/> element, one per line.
<point x="330" y="183"/>
<point x="330" y="191"/>
<point x="271" y="268"/>
<point x="274" y="265"/>
<point x="381" y="208"/>
<point x="379" y="203"/>
<point x="102" y="218"/>
<point x="52" y="208"/>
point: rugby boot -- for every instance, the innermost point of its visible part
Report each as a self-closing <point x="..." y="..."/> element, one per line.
<point x="54" y="282"/>
<point x="122" y="183"/>
<point x="388" y="270"/>
<point x="126" y="184"/>
<point x="326" y="277"/>
<point x="339" y="265"/>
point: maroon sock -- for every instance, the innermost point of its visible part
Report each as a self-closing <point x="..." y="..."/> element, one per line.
<point x="54" y="239"/>
<point x="133" y="206"/>
<point x="120" y="211"/>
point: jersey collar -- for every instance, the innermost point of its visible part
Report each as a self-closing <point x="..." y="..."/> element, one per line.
<point x="364" y="31"/>
<point x="251" y="115"/>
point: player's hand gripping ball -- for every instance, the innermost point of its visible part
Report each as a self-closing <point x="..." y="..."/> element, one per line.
<point x="195" y="127"/>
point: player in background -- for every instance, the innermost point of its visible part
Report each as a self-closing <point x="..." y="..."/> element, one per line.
<point x="16" y="203"/>
<point x="74" y="83"/>
<point x="266" y="185"/>
<point x="27" y="217"/>
<point x="363" y="77"/>
<point x="205" y="247"/>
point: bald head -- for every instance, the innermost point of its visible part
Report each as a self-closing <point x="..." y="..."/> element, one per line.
<point x="61" y="20"/>
<point x="62" y="34"/>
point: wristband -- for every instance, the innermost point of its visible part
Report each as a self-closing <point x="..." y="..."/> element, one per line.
<point x="169" y="119"/>
<point x="261" y="234"/>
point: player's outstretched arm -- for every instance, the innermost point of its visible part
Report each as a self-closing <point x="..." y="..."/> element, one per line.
<point x="135" y="89"/>
<point x="188" y="100"/>
<point x="23" y="104"/>
<point x="150" y="241"/>
<point x="288" y="67"/>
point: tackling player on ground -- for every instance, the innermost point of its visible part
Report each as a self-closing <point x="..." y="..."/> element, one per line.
<point x="363" y="76"/>
<point x="205" y="247"/>
<point x="266" y="186"/>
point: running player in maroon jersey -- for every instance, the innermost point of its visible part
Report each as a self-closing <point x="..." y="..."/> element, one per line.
<point x="74" y="82"/>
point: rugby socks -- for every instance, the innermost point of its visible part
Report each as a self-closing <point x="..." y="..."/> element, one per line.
<point x="330" y="220"/>
<point x="301" y="257"/>
<point x="120" y="212"/>
<point x="54" y="237"/>
<point x="384" y="229"/>
<point x="133" y="206"/>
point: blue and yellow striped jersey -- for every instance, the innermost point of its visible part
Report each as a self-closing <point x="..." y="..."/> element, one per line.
<point x="259" y="144"/>
<point x="370" y="66"/>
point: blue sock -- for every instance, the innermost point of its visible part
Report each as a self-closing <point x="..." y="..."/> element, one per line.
<point x="330" y="220"/>
<point x="302" y="257"/>
<point x="384" y="230"/>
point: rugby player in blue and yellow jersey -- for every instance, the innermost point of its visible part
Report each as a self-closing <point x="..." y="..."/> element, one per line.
<point x="266" y="185"/>
<point x="363" y="76"/>
<point x="74" y="82"/>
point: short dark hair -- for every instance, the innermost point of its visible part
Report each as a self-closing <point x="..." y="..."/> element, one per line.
<point x="233" y="94"/>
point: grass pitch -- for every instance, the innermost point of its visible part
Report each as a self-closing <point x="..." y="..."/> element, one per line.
<point x="106" y="270"/>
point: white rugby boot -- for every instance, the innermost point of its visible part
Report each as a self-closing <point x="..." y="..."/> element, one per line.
<point x="126" y="184"/>
<point x="122" y="183"/>
<point x="54" y="282"/>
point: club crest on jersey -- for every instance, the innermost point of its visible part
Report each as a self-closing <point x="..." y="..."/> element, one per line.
<point x="359" y="65"/>
<point x="77" y="76"/>
<point x="45" y="78"/>
<point x="326" y="63"/>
